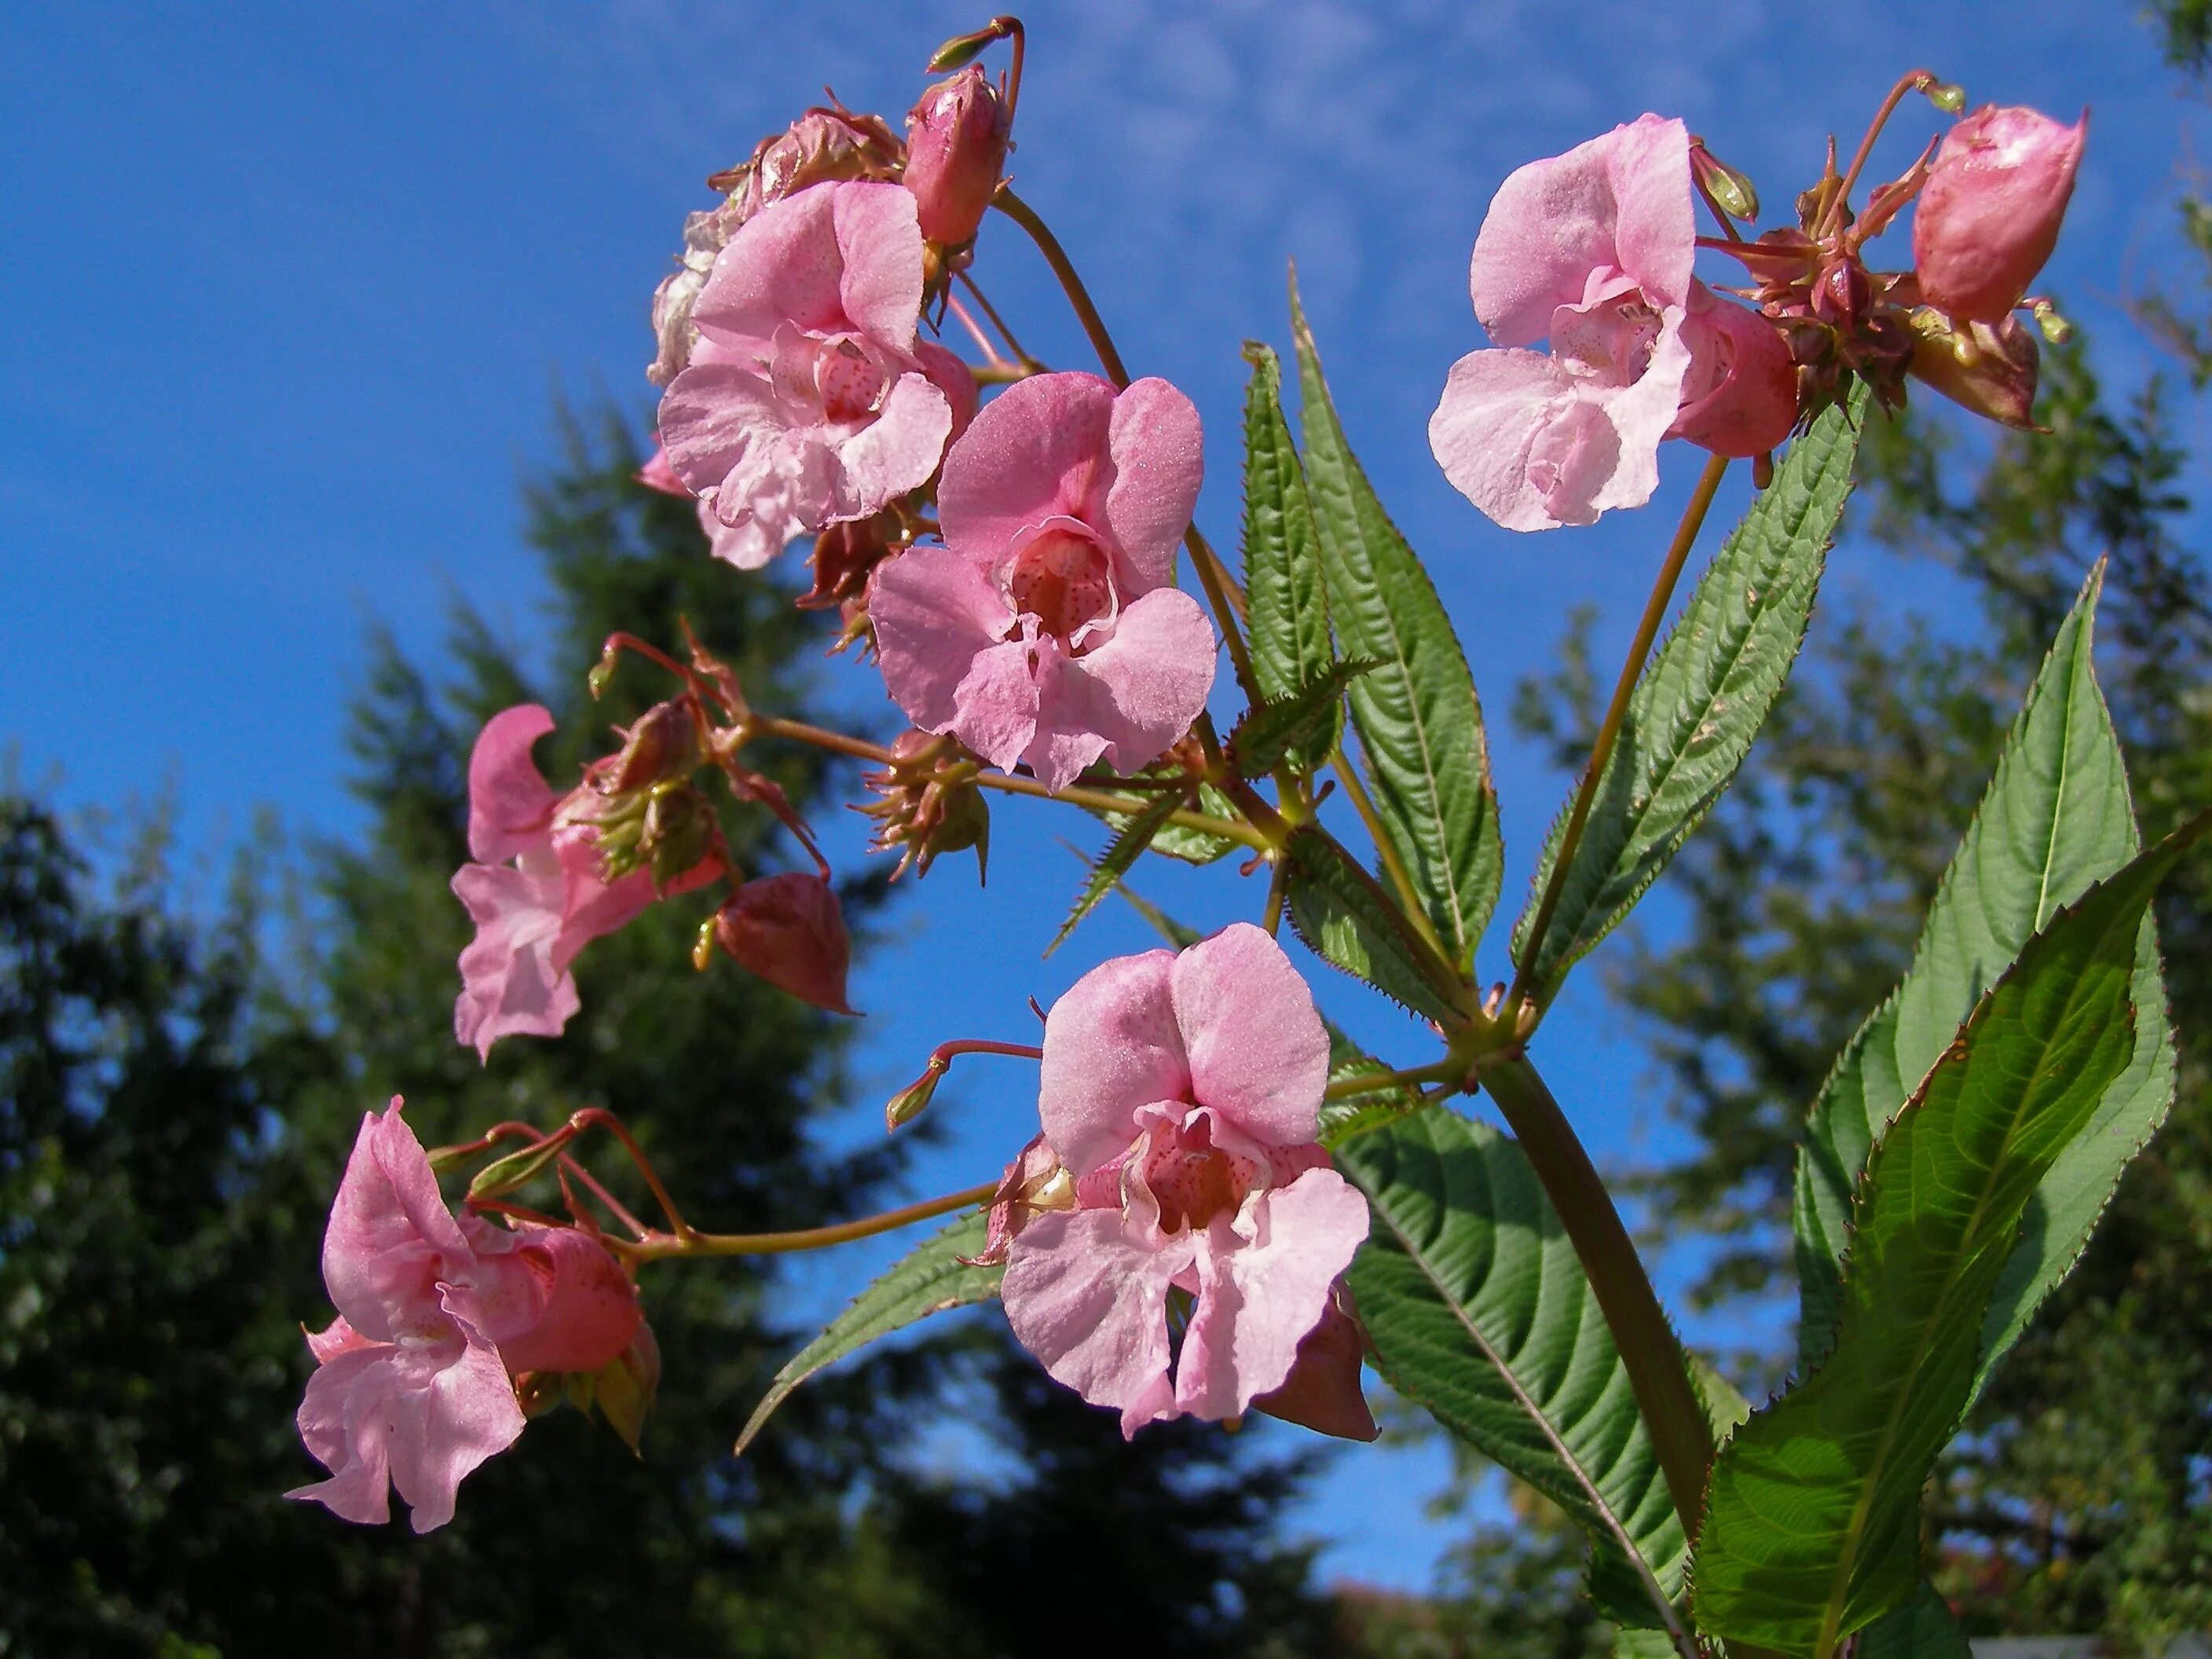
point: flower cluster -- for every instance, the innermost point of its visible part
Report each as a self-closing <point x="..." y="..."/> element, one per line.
<point x="1178" y="1238"/>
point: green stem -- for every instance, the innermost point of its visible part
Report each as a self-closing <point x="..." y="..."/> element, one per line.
<point x="1681" y="1434"/>
<point x="1608" y="731"/>
<point x="1369" y="1082"/>
<point x="661" y="1246"/>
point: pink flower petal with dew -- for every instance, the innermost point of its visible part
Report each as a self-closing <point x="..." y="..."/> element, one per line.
<point x="941" y="627"/>
<point x="783" y="265"/>
<point x="950" y="375"/>
<point x="737" y="444"/>
<point x="749" y="546"/>
<point x="1158" y="448"/>
<point x="588" y="1311"/>
<point x="1622" y="200"/>
<point x="591" y="906"/>
<point x="1037" y="449"/>
<point x="1259" y="1054"/>
<point x="509" y="986"/>
<point x="1111" y="1047"/>
<point x="391" y="1240"/>
<point x="895" y="453"/>
<point x="879" y="241"/>
<point x="1087" y="1294"/>
<point x="1739" y="397"/>
<point x="1140" y="691"/>
<point x="510" y="803"/>
<point x="1258" y="1299"/>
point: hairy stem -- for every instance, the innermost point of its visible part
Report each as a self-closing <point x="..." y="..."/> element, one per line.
<point x="1608" y="731"/>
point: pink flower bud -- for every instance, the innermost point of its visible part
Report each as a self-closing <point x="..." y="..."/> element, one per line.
<point x="789" y="930"/>
<point x="1991" y="370"/>
<point x="956" y="143"/>
<point x="1989" y="214"/>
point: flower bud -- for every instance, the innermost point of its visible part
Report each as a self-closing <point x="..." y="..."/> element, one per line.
<point x="625" y="1386"/>
<point x="1731" y="191"/>
<point x="957" y="139"/>
<point x="1991" y="370"/>
<point x="1990" y="214"/>
<point x="844" y="554"/>
<point x="661" y="744"/>
<point x="789" y="929"/>
<point x="909" y="1103"/>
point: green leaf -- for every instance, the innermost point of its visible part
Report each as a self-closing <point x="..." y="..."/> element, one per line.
<point x="1700" y="701"/>
<point x="1923" y="1628"/>
<point x="2055" y="818"/>
<point x="928" y="1281"/>
<point x="1293" y="726"/>
<point x="1419" y="724"/>
<point x="1177" y="841"/>
<point x="1344" y="920"/>
<point x="1161" y="922"/>
<point x="1286" y="608"/>
<point x="1812" y="1520"/>
<point x="1479" y="1311"/>
<point x="1124" y="850"/>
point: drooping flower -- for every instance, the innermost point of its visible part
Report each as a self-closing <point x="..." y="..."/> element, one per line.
<point x="532" y="914"/>
<point x="809" y="399"/>
<point x="1989" y="216"/>
<point x="1182" y="1095"/>
<point x="1740" y="396"/>
<point x="413" y="1385"/>
<point x="1046" y="629"/>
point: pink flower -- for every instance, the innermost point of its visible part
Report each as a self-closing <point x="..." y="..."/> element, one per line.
<point x="723" y="541"/>
<point x="534" y="915"/>
<point x="809" y="400"/>
<point x="1183" y="1092"/>
<point x="1990" y="213"/>
<point x="1046" y="629"/>
<point x="1739" y="397"/>
<point x="1592" y="252"/>
<point x="412" y="1385"/>
<point x="956" y="143"/>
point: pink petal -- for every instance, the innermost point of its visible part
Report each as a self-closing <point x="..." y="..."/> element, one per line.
<point x="742" y="448"/>
<point x="335" y="1338"/>
<point x="1257" y="1300"/>
<point x="749" y="545"/>
<point x="940" y="627"/>
<point x="1140" y="691"/>
<point x="657" y="474"/>
<point x="509" y="986"/>
<point x="1259" y="1055"/>
<point x="1739" y="397"/>
<point x="391" y="1239"/>
<point x="1322" y="1392"/>
<point x="1620" y="201"/>
<point x="510" y="803"/>
<point x="591" y="906"/>
<point x="589" y="1313"/>
<point x="1038" y="448"/>
<point x="1640" y="415"/>
<point x="1158" y="451"/>
<point x="1086" y="1292"/>
<point x="950" y="375"/>
<point x="1111" y="1047"/>
<point x="879" y="239"/>
<point x="895" y="453"/>
<point x="783" y="265"/>
<point x="1496" y="405"/>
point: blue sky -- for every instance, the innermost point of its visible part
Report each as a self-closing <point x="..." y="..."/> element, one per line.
<point x="287" y="294"/>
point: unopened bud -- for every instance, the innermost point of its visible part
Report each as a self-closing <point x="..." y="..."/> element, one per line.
<point x="790" y="930"/>
<point x="678" y="832"/>
<point x="504" y="1175"/>
<point x="908" y="1102"/>
<point x="603" y="670"/>
<point x="962" y="50"/>
<point x="844" y="554"/>
<point x="1947" y="95"/>
<point x="955" y="145"/>
<point x="624" y="1387"/>
<point x="662" y="744"/>
<point x="1990" y="214"/>
<point x="2056" y="329"/>
<point x="1731" y="191"/>
<point x="702" y="947"/>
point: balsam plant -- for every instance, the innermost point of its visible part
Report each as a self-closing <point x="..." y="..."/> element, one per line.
<point x="1229" y="1207"/>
